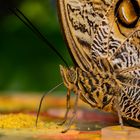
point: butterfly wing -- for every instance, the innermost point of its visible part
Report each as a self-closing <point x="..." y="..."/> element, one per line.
<point x="123" y="54"/>
<point x="80" y="22"/>
<point x="126" y="61"/>
<point x="129" y="101"/>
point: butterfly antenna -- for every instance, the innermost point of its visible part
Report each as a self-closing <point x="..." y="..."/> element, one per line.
<point x="41" y="100"/>
<point x="32" y="27"/>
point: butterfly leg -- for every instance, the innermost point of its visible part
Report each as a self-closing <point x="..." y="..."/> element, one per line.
<point x="120" y="118"/>
<point x="67" y="109"/>
<point x="119" y="113"/>
<point x="74" y="114"/>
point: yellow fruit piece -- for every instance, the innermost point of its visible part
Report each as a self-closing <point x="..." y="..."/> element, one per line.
<point x="19" y="121"/>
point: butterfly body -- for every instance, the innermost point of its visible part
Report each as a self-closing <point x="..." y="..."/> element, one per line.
<point x="103" y="37"/>
<point x="96" y="87"/>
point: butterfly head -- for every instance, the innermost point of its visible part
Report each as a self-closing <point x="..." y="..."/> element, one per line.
<point x="69" y="76"/>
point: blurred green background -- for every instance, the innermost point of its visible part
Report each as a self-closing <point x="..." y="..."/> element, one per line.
<point x="26" y="63"/>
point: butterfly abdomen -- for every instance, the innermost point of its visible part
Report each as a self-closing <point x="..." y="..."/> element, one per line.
<point x="97" y="87"/>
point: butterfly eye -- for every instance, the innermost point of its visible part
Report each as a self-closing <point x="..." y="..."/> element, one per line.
<point x="128" y="12"/>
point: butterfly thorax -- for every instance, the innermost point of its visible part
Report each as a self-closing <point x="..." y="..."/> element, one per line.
<point x="97" y="87"/>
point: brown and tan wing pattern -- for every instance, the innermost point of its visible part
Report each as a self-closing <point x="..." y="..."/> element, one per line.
<point x="126" y="61"/>
<point x="81" y="20"/>
<point x="123" y="52"/>
<point x="127" y="56"/>
<point x="129" y="101"/>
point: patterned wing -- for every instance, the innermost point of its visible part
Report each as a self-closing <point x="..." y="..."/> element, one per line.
<point x="129" y="101"/>
<point x="126" y="62"/>
<point x="118" y="25"/>
<point x="81" y="20"/>
<point x="119" y="42"/>
<point x="126" y="59"/>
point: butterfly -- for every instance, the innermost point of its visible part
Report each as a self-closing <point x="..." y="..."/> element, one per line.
<point x="103" y="38"/>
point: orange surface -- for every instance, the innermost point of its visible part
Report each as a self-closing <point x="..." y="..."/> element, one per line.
<point x="87" y="118"/>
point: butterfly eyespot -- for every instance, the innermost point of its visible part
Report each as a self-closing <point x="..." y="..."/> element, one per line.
<point x="127" y="12"/>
